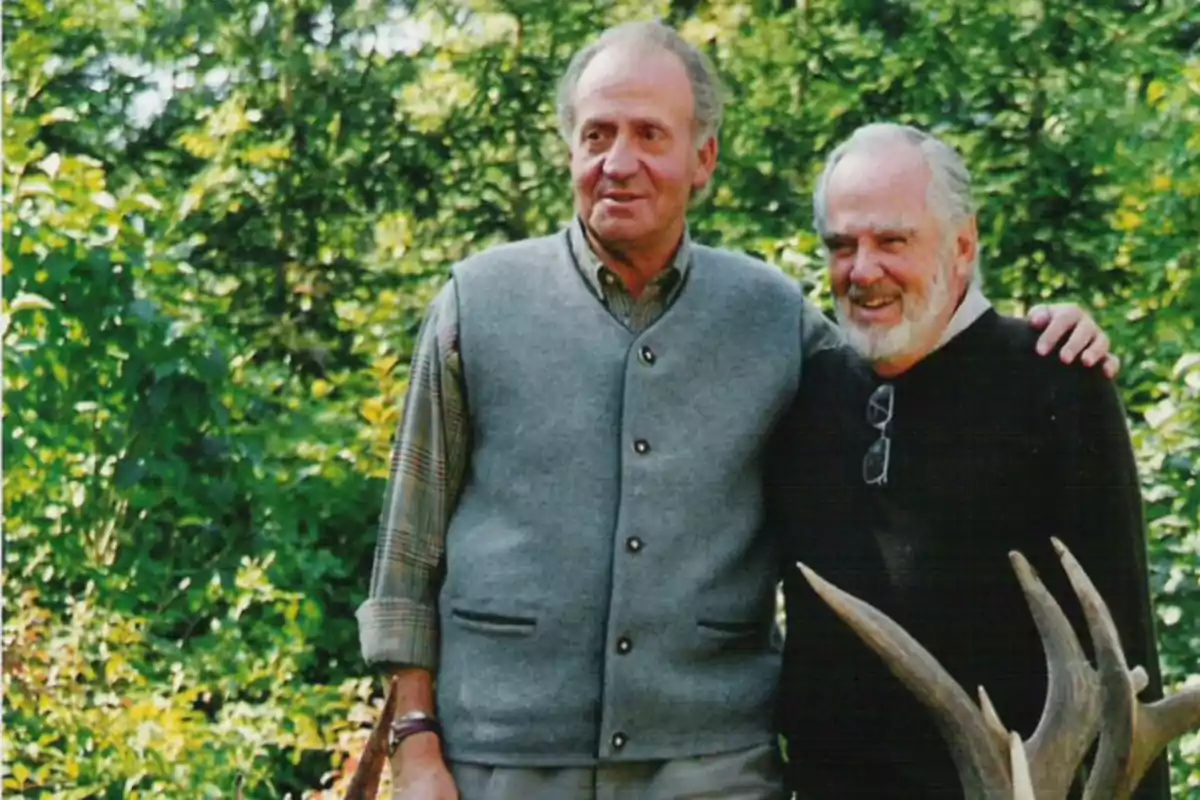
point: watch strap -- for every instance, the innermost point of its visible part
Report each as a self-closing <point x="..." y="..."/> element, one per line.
<point x="411" y="724"/>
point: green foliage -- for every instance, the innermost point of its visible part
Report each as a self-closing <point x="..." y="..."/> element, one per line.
<point x="223" y="221"/>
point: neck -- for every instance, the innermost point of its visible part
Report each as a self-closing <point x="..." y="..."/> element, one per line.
<point x="636" y="265"/>
<point x="962" y="295"/>
<point x="897" y="366"/>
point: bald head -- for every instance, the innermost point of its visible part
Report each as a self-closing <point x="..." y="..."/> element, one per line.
<point x="901" y="251"/>
<point x="947" y="180"/>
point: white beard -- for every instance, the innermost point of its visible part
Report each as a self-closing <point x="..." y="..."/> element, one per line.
<point x="919" y="319"/>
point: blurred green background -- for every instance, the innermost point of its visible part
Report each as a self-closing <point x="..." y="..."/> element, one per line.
<point x="223" y="220"/>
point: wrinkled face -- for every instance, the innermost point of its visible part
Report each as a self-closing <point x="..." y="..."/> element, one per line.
<point x="895" y="276"/>
<point x="634" y="159"/>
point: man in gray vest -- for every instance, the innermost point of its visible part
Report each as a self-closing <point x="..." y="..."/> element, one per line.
<point x="578" y="558"/>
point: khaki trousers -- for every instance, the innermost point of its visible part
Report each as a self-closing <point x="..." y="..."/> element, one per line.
<point x="752" y="774"/>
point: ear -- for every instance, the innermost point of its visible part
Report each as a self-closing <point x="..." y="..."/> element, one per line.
<point x="707" y="156"/>
<point x="966" y="248"/>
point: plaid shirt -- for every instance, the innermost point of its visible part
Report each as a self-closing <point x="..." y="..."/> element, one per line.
<point x="399" y="621"/>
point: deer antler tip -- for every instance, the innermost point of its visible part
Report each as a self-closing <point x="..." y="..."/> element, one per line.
<point x="990" y="717"/>
<point x="1021" y="564"/>
<point x="1022" y="779"/>
<point x="1139" y="679"/>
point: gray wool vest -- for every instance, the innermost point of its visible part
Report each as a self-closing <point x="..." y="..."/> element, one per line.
<point x="608" y="592"/>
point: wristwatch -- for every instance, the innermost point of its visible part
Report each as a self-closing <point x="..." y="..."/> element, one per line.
<point x="412" y="723"/>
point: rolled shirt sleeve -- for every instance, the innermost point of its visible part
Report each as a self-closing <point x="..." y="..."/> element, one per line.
<point x="398" y="623"/>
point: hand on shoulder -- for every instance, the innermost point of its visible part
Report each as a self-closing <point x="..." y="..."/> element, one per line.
<point x="1085" y="341"/>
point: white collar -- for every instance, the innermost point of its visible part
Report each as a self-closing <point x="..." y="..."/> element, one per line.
<point x="973" y="306"/>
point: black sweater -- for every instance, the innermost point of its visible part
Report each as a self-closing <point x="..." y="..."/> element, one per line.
<point x="994" y="448"/>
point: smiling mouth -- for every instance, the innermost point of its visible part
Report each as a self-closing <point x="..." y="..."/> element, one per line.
<point x="875" y="303"/>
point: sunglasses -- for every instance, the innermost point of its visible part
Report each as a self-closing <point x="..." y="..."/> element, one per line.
<point x="879" y="416"/>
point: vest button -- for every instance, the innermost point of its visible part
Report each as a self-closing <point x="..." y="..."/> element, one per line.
<point x="633" y="544"/>
<point x="618" y="740"/>
<point x="647" y="355"/>
<point x="641" y="447"/>
<point x="624" y="645"/>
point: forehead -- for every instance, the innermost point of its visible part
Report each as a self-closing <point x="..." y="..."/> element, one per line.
<point x="878" y="188"/>
<point x="624" y="80"/>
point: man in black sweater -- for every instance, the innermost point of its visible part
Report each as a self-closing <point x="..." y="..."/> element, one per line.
<point x="913" y="461"/>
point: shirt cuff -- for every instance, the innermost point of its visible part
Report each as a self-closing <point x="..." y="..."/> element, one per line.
<point x="398" y="631"/>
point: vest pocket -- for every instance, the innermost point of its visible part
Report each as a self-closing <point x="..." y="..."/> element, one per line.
<point x="736" y="623"/>
<point x="725" y="628"/>
<point x="732" y="633"/>
<point x="493" y="623"/>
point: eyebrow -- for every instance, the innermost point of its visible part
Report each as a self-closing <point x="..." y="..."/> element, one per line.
<point x="838" y="237"/>
<point x="652" y="122"/>
<point x="903" y="230"/>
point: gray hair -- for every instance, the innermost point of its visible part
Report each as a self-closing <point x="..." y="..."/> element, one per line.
<point x="707" y="91"/>
<point x="949" y="195"/>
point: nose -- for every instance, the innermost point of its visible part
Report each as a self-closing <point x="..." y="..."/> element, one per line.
<point x="864" y="269"/>
<point x="621" y="161"/>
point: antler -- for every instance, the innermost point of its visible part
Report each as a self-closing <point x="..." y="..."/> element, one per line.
<point x="1070" y="715"/>
<point x="1132" y="734"/>
<point x="991" y="763"/>
<point x="1080" y="700"/>
<point x="365" y="783"/>
<point x="979" y="755"/>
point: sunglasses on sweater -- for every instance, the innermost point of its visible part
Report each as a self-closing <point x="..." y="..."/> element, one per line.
<point x="879" y="416"/>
